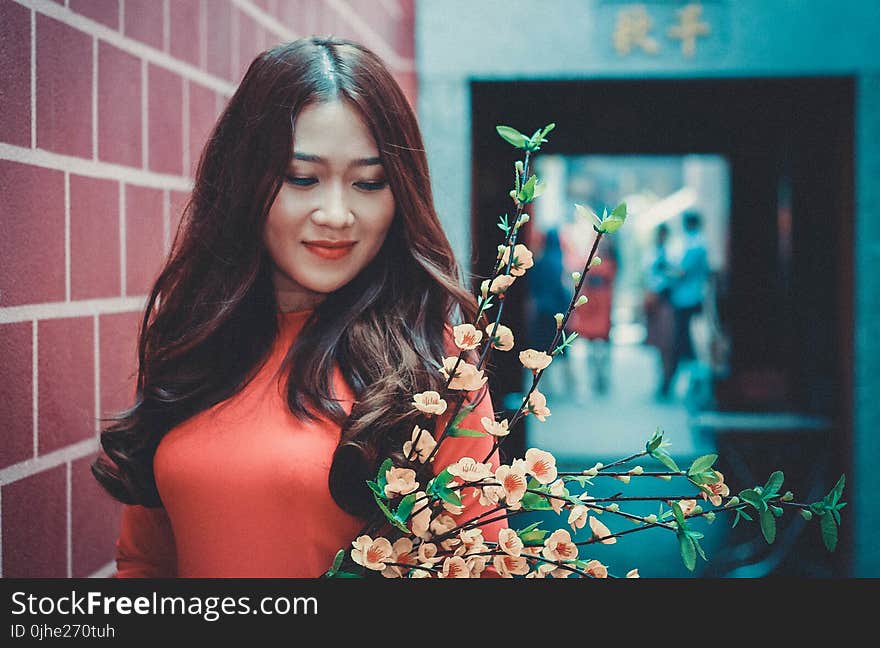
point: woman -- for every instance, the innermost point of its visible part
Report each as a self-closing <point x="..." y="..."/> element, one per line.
<point x="309" y="294"/>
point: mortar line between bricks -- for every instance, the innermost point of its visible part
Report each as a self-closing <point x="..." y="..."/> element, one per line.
<point x="69" y="522"/>
<point x="35" y="361"/>
<point x="79" y="308"/>
<point x="126" y="44"/>
<point x="33" y="79"/>
<point x="31" y="467"/>
<point x="66" y="236"/>
<point x="93" y="168"/>
<point x="267" y="20"/>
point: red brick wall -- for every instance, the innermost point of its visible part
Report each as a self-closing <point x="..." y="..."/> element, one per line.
<point x="105" y="108"/>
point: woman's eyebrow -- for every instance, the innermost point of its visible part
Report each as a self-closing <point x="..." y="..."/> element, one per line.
<point x="309" y="157"/>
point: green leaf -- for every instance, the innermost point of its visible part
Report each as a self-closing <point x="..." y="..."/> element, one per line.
<point x="663" y="457"/>
<point x="837" y="491"/>
<point x="744" y="514"/>
<point x="463" y="412"/>
<point x="752" y="496"/>
<point x="535" y="502"/>
<point x="549" y="127"/>
<point x="375" y="488"/>
<point x="465" y="432"/>
<point x="533" y="537"/>
<point x="527" y="193"/>
<point x="586" y="213"/>
<point x="512" y="136"/>
<point x="688" y="552"/>
<point x="701" y="464"/>
<point x="348" y="575"/>
<point x="736" y="519"/>
<point x="679" y="515"/>
<point x="655" y="441"/>
<point x="405" y="508"/>
<point x="337" y="563"/>
<point x="390" y="515"/>
<point x="699" y="549"/>
<point x="774" y="483"/>
<point x="613" y="222"/>
<point x="829" y="532"/>
<point x="768" y="526"/>
<point x="381" y="479"/>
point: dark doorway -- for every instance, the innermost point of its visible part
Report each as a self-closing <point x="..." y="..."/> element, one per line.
<point x="786" y="300"/>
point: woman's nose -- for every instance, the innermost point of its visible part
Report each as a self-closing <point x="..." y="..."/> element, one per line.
<point x="333" y="209"/>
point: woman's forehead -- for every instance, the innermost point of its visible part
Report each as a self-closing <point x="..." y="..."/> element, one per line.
<point x="333" y="133"/>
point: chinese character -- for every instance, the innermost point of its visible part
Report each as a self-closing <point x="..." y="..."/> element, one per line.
<point x="689" y="28"/>
<point x="631" y="30"/>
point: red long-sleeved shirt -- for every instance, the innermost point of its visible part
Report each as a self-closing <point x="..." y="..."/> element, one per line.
<point x="244" y="485"/>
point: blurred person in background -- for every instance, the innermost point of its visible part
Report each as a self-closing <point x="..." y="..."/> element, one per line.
<point x="659" y="316"/>
<point x="687" y="291"/>
<point x="549" y="295"/>
<point x="591" y="351"/>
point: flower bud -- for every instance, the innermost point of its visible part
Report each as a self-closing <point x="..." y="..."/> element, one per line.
<point x="523" y="219"/>
<point x="710" y="517"/>
<point x="807" y="514"/>
<point x="665" y="477"/>
<point x="623" y="478"/>
<point x="559" y="317"/>
<point x="697" y="510"/>
<point x="575" y="276"/>
<point x="581" y="301"/>
<point x="651" y="519"/>
<point x="732" y="502"/>
<point x="596" y="261"/>
<point x="484" y="288"/>
<point x="636" y="470"/>
<point x="590" y="472"/>
<point x="518" y="165"/>
<point x="614" y="508"/>
<point x="501" y="248"/>
<point x="787" y="497"/>
<point x="512" y="194"/>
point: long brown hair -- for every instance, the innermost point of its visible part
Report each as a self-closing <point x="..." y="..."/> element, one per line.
<point x="211" y="315"/>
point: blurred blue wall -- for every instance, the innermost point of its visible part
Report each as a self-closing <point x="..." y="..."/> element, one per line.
<point x="460" y="40"/>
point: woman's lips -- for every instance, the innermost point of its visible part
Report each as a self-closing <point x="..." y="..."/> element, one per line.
<point x="329" y="252"/>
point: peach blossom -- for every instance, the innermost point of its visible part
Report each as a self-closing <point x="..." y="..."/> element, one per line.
<point x="522" y="259"/>
<point x="501" y="336"/>
<point x="537" y="405"/>
<point x="600" y="531"/>
<point x="541" y="464"/>
<point x="577" y="517"/>
<point x="535" y="360"/>
<point x="401" y="481"/>
<point x="429" y="402"/>
<point x="467" y="337"/>
<point x="476" y="565"/>
<point x="559" y="546"/>
<point x="495" y="428"/>
<point x="719" y="489"/>
<point x="513" y="481"/>
<point x="443" y="523"/>
<point x="501" y="283"/>
<point x="401" y="552"/>
<point x="596" y="569"/>
<point x="490" y="495"/>
<point x="509" y="542"/>
<point x="632" y="573"/>
<point x="557" y="488"/>
<point x="421" y="519"/>
<point x="471" y="538"/>
<point x="455" y="567"/>
<point x="467" y="377"/>
<point x="509" y="565"/>
<point x="468" y="469"/>
<point x="687" y="506"/>
<point x="424" y="443"/>
<point x="372" y="554"/>
<point x="428" y="553"/>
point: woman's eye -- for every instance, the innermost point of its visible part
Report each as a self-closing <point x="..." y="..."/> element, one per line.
<point x="300" y="181"/>
<point x="372" y="186"/>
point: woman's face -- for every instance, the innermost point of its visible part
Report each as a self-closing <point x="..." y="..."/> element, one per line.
<point x="335" y="194"/>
